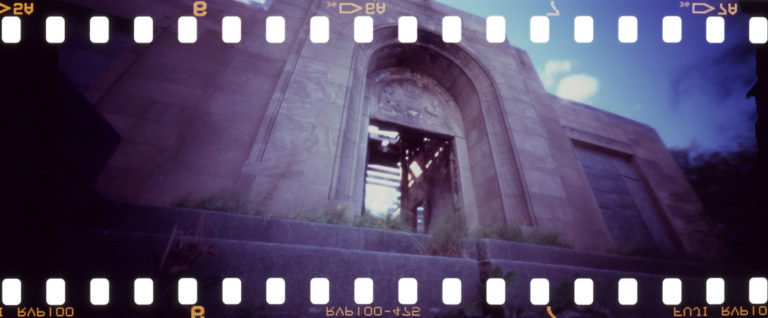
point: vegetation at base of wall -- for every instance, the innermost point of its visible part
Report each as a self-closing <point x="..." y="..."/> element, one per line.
<point x="502" y="232"/>
<point x="327" y="217"/>
<point x="546" y="236"/>
<point x="233" y="203"/>
<point x="221" y="201"/>
<point x="514" y="233"/>
<point x="182" y="252"/>
<point x="389" y="223"/>
<point x="447" y="238"/>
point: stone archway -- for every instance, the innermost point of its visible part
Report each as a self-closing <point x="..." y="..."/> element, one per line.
<point x="491" y="190"/>
<point x="422" y="127"/>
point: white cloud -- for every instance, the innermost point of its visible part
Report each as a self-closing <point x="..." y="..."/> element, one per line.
<point x="578" y="87"/>
<point x="553" y="68"/>
<point x="257" y="2"/>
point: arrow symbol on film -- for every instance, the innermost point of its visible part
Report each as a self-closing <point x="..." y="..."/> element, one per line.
<point x="556" y="13"/>
<point x="4" y="8"/>
<point x="708" y="7"/>
<point x="349" y="8"/>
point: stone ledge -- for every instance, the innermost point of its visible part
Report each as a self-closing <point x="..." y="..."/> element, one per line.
<point x="495" y="249"/>
<point x="124" y="256"/>
<point x="219" y="225"/>
<point x="161" y="220"/>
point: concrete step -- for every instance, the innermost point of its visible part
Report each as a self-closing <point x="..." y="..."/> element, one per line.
<point x="129" y="241"/>
<point x="123" y="256"/>
<point x="514" y="251"/>
<point x="211" y="224"/>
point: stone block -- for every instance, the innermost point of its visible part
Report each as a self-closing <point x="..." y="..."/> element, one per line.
<point x="545" y="183"/>
<point x="222" y="157"/>
<point x="152" y="133"/>
<point x="126" y="104"/>
<point x="139" y="155"/>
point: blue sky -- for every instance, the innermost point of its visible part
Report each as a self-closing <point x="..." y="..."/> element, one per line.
<point x="692" y="92"/>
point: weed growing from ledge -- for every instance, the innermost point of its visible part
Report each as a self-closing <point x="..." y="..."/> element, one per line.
<point x="233" y="203"/>
<point x="329" y="217"/>
<point x="514" y="233"/>
<point x="447" y="239"/>
<point x="502" y="232"/>
<point x="222" y="201"/>
<point x="182" y="252"/>
<point x="546" y="236"/>
<point x="389" y="223"/>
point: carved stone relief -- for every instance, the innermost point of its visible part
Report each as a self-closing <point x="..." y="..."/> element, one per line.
<point x="415" y="100"/>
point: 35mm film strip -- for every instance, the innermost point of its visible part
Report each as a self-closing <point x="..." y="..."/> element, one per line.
<point x="231" y="26"/>
<point x="407" y="291"/>
<point x="437" y="148"/>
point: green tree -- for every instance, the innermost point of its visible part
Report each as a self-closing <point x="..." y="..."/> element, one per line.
<point x="726" y="184"/>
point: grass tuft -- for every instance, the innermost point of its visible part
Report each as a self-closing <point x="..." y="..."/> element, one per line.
<point x="500" y="232"/>
<point x="546" y="236"/>
<point x="223" y="201"/>
<point x="389" y="223"/>
<point x="447" y="239"/>
<point x="514" y="233"/>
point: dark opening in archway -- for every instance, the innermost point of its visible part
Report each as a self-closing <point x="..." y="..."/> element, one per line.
<point x="408" y="175"/>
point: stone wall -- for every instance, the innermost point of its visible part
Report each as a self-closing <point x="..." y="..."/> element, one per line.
<point x="669" y="193"/>
<point x="284" y="125"/>
<point x="131" y="241"/>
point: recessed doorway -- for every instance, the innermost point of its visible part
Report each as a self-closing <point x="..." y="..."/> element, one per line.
<point x="409" y="175"/>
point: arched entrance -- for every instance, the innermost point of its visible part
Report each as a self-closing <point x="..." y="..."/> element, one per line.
<point x="411" y="164"/>
<point x="439" y="88"/>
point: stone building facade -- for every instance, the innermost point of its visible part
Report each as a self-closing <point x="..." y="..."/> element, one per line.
<point x="287" y="125"/>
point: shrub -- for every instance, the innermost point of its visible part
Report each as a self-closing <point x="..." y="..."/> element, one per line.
<point x="223" y="201"/>
<point x="546" y="236"/>
<point x="397" y="223"/>
<point x="514" y="233"/>
<point x="448" y="236"/>
<point x="500" y="232"/>
<point x="321" y="216"/>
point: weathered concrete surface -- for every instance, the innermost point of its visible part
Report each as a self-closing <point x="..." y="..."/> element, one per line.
<point x="503" y="250"/>
<point x="284" y="125"/>
<point x="123" y="256"/>
<point x="228" y="226"/>
<point x="121" y="251"/>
